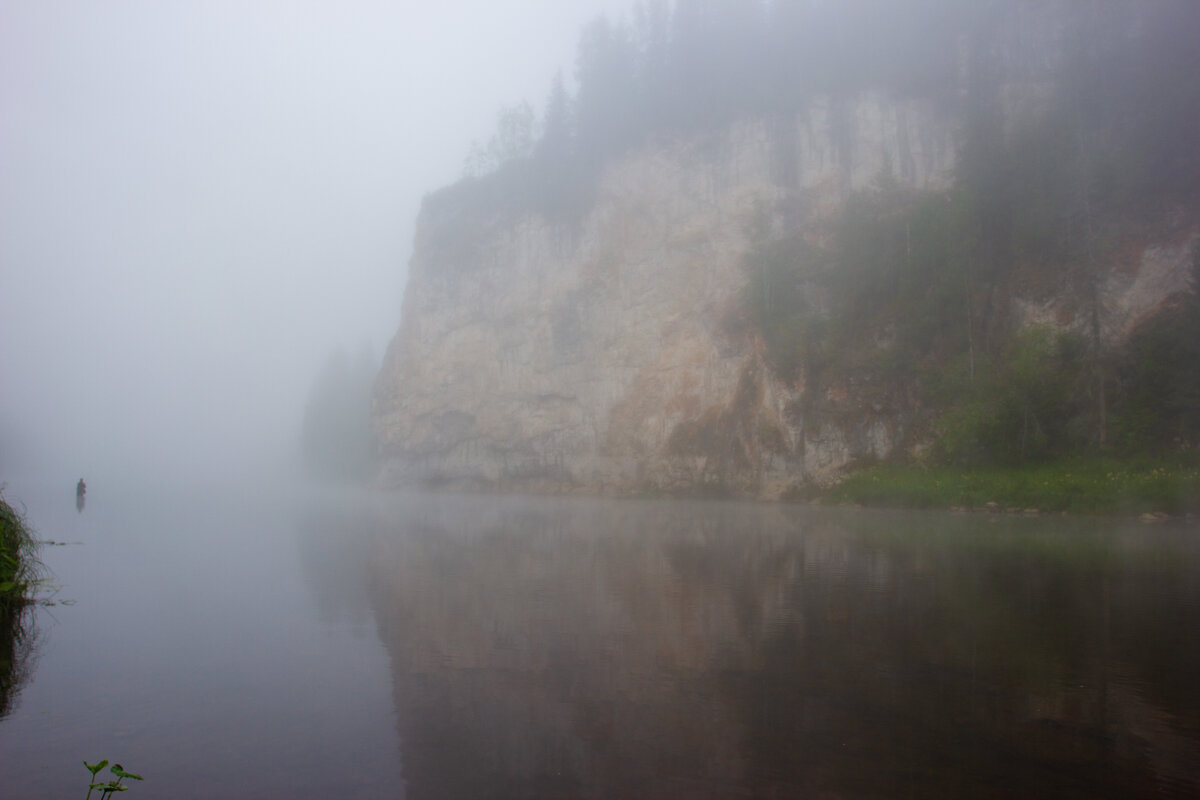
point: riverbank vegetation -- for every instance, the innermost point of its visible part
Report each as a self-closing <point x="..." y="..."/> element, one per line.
<point x="19" y="564"/>
<point x="1085" y="485"/>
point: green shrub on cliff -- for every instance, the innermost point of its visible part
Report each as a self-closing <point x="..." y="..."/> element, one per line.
<point x="1160" y="373"/>
<point x="1023" y="408"/>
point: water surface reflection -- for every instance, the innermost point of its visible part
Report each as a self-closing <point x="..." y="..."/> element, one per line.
<point x="17" y="640"/>
<point x="596" y="649"/>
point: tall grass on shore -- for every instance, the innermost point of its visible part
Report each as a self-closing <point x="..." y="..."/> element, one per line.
<point x="1084" y="485"/>
<point x="20" y="567"/>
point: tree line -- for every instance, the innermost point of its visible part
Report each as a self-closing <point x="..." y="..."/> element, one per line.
<point x="676" y="67"/>
<point x="337" y="442"/>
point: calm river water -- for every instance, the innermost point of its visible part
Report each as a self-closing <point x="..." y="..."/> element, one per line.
<point x="249" y="644"/>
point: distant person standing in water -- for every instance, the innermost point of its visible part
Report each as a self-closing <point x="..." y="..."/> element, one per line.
<point x="80" y="492"/>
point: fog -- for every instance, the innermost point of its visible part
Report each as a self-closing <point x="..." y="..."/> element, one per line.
<point x="200" y="200"/>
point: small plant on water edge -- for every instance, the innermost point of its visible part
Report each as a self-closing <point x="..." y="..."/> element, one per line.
<point x="113" y="786"/>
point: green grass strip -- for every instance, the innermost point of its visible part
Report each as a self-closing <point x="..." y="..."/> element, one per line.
<point x="1083" y="485"/>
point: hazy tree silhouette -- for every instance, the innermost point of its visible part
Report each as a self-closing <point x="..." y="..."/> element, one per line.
<point x="337" y="442"/>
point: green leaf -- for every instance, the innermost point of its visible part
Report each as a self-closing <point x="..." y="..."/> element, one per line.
<point x="94" y="768"/>
<point x="120" y="772"/>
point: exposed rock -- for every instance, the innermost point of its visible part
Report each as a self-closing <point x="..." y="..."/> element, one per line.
<point x="603" y="358"/>
<point x="607" y="354"/>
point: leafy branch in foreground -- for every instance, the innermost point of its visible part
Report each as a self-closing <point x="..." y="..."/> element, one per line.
<point x="108" y="789"/>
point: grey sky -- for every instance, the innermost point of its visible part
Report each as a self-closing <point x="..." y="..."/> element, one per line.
<point x="200" y="198"/>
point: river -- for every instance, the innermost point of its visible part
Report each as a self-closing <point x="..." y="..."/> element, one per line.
<point x="273" y="644"/>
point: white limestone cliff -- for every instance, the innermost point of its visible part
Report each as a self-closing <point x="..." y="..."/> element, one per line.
<point x="606" y="356"/>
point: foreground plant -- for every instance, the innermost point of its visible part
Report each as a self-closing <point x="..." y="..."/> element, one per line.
<point x="113" y="786"/>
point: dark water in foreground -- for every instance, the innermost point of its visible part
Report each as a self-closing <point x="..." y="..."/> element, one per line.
<point x="251" y="645"/>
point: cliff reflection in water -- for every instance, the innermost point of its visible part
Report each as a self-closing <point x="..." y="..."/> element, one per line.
<point x="592" y="649"/>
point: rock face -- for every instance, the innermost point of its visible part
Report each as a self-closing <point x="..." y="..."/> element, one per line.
<point x="606" y="356"/>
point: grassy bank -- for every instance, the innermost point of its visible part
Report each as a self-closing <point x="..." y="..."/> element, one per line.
<point x="1089" y="486"/>
<point x="19" y="564"/>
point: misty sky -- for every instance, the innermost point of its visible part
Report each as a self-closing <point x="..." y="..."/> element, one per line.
<point x="199" y="199"/>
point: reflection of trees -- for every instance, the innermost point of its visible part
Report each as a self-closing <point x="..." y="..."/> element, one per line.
<point x="20" y="571"/>
<point x="333" y="560"/>
<point x="542" y="648"/>
<point x="16" y="653"/>
<point x="974" y="663"/>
